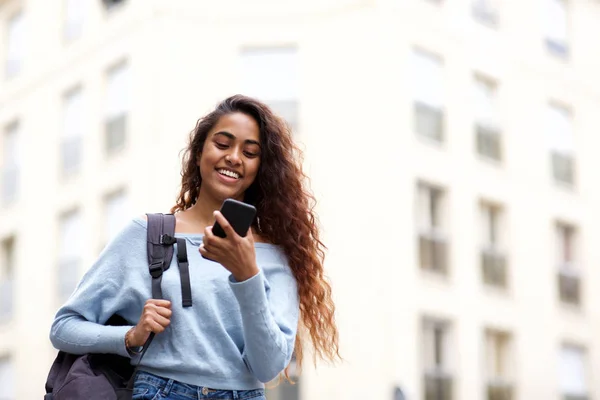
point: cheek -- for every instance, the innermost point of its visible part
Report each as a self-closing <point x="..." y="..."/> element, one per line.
<point x="205" y="165"/>
<point x="255" y="168"/>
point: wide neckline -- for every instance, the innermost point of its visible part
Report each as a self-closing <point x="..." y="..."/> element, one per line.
<point x="196" y="238"/>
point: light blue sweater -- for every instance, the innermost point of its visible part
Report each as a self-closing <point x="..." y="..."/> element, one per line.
<point x="235" y="336"/>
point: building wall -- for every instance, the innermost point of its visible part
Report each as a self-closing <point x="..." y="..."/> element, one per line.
<point x="364" y="160"/>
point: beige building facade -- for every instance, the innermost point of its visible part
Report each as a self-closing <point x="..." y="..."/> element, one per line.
<point x="451" y="146"/>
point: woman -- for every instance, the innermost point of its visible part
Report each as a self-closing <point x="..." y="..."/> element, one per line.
<point x="247" y="303"/>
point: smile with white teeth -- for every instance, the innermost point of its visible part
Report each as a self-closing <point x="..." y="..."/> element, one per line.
<point x="228" y="173"/>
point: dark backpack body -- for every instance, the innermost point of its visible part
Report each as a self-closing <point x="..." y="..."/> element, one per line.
<point x="90" y="376"/>
<point x="110" y="376"/>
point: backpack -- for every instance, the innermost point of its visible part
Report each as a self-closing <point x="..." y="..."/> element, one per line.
<point x="110" y="376"/>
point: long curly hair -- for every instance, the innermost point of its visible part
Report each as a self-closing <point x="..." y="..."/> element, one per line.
<point x="285" y="215"/>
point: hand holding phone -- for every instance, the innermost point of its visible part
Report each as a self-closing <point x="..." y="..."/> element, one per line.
<point x="239" y="215"/>
<point x="236" y="254"/>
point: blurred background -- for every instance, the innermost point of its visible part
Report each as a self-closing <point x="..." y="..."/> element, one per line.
<point x="452" y="146"/>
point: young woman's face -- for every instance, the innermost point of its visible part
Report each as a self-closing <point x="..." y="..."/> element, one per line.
<point x="231" y="156"/>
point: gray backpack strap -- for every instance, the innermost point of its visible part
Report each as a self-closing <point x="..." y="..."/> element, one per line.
<point x="160" y="239"/>
<point x="184" y="273"/>
<point x="159" y="242"/>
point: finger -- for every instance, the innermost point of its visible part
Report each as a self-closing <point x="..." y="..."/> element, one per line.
<point x="205" y="253"/>
<point x="212" y="242"/>
<point x="208" y="231"/>
<point x="203" y="250"/>
<point x="159" y="303"/>
<point x="165" y="312"/>
<point x="209" y="236"/>
<point x="147" y="323"/>
<point x="162" y="321"/>
<point x="156" y="327"/>
<point x="227" y="228"/>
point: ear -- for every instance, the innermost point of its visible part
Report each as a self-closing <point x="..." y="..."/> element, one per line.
<point x="198" y="157"/>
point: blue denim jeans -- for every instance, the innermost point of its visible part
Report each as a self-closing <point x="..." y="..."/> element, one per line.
<point x="151" y="387"/>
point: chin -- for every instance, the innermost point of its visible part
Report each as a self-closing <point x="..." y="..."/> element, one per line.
<point x="221" y="191"/>
<point x="228" y="194"/>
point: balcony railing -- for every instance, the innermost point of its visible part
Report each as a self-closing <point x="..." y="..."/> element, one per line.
<point x="116" y="129"/>
<point x="71" y="154"/>
<point x="6" y="299"/>
<point x="429" y="121"/>
<point x="489" y="143"/>
<point x="438" y="386"/>
<point x="433" y="249"/>
<point x="493" y="267"/>
<point x="10" y="184"/>
<point x="68" y="276"/>
<point x="499" y="391"/>
<point x="563" y="168"/>
<point x="569" y="284"/>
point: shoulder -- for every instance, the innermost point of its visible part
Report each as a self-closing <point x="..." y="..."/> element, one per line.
<point x="271" y="257"/>
<point x="134" y="230"/>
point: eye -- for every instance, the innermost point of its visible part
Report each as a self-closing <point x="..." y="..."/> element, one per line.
<point x="250" y="154"/>
<point x="221" y="146"/>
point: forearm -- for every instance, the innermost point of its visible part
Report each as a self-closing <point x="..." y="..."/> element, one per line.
<point x="269" y="335"/>
<point x="267" y="350"/>
<point x="79" y="325"/>
<point x="73" y="334"/>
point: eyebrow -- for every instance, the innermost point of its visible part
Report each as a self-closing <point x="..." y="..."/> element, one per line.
<point x="232" y="137"/>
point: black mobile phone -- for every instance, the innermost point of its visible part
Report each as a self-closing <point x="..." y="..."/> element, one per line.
<point x="239" y="215"/>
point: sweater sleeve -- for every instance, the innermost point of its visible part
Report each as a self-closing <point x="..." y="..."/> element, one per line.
<point x="78" y="326"/>
<point x="269" y="310"/>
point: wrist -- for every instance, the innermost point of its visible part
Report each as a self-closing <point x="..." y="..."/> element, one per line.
<point x="246" y="274"/>
<point x="130" y="344"/>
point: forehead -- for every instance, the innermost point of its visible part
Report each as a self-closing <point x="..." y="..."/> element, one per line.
<point x="242" y="126"/>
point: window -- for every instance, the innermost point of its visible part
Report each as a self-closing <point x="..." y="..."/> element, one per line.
<point x="572" y="370"/>
<point x="71" y="247"/>
<point x="488" y="137"/>
<point x="428" y="95"/>
<point x="10" y="167"/>
<point x="272" y="75"/>
<point x="7" y="270"/>
<point x="436" y="360"/>
<point x="561" y="143"/>
<point x="556" y="27"/>
<point x="15" y="49"/>
<point x="75" y="15"/>
<point x="117" y="213"/>
<point x="430" y="217"/>
<point x="7" y="379"/>
<point x="498" y="365"/>
<point x="486" y="11"/>
<point x="285" y="390"/>
<point x="117" y="108"/>
<point x="72" y="135"/>
<point x="569" y="279"/>
<point x="493" y="259"/>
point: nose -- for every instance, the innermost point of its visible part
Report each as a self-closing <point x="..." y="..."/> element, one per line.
<point x="234" y="157"/>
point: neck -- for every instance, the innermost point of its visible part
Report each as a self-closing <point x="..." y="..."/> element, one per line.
<point x="203" y="209"/>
